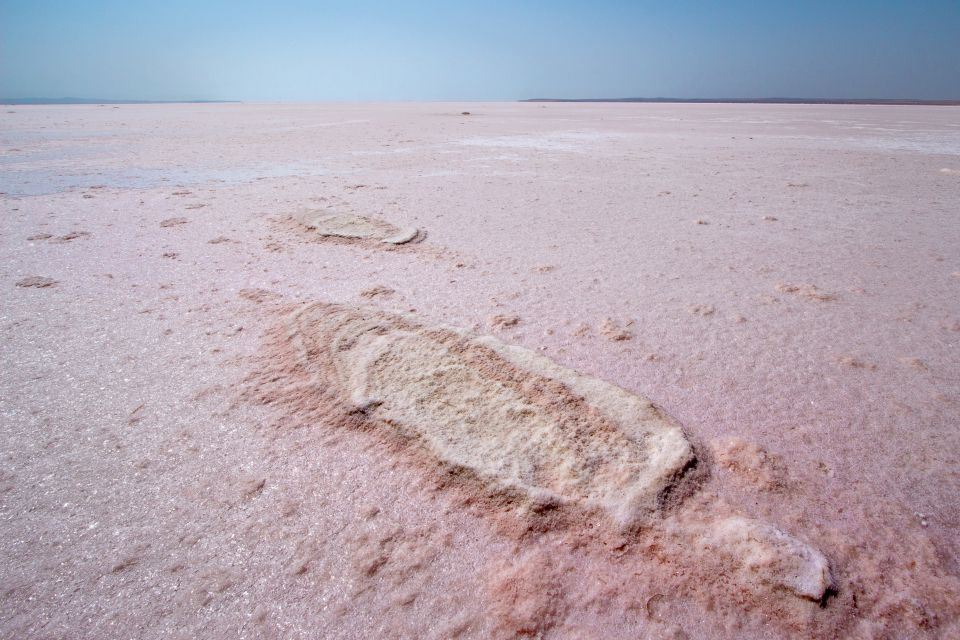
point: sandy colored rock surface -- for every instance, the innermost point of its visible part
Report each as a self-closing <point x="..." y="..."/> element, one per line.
<point x="146" y="490"/>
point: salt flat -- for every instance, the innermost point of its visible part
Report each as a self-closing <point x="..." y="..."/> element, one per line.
<point x="782" y="282"/>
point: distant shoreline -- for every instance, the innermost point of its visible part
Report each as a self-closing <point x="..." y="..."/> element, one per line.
<point x="852" y="101"/>
<point x="29" y="101"/>
<point x="786" y="101"/>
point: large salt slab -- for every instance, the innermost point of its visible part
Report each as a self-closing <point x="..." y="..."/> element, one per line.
<point x="515" y="420"/>
<point x="348" y="225"/>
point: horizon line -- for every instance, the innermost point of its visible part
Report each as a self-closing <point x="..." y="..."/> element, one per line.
<point x="656" y="100"/>
<point x="772" y="100"/>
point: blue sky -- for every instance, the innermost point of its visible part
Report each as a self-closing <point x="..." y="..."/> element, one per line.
<point x="483" y="49"/>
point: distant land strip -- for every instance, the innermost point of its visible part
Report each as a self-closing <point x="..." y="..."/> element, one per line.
<point x="104" y="101"/>
<point x="863" y="101"/>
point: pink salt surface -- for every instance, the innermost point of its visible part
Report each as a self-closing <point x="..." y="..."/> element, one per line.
<point x="141" y="497"/>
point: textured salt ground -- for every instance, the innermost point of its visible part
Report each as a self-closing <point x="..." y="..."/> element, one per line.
<point x="132" y="502"/>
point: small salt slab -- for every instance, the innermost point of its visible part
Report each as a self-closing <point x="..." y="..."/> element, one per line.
<point x="769" y="556"/>
<point x="39" y="282"/>
<point x="348" y="225"/>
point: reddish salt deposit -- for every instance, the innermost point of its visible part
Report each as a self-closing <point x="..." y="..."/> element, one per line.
<point x="807" y="339"/>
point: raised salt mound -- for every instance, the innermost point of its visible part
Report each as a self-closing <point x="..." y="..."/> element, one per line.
<point x="515" y="420"/>
<point x="348" y="225"/>
<point x="518" y="422"/>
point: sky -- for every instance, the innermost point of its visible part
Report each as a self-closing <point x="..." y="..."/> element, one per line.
<point x="296" y="50"/>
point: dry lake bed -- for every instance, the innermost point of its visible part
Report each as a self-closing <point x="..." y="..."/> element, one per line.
<point x="479" y="370"/>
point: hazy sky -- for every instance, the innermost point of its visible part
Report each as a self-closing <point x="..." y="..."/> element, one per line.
<point x="482" y="49"/>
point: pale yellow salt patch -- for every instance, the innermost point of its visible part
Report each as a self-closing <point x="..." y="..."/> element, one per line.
<point x="348" y="225"/>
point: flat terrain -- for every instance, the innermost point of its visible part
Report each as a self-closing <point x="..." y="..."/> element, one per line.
<point x="782" y="280"/>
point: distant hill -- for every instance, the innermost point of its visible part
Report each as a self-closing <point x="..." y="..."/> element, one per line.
<point x="869" y="101"/>
<point x="105" y="101"/>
